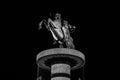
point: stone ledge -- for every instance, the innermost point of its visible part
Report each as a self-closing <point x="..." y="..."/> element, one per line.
<point x="59" y="51"/>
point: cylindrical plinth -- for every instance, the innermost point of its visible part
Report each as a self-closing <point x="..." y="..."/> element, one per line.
<point x="60" y="71"/>
<point x="60" y="68"/>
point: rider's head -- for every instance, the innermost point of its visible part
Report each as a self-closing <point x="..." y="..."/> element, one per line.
<point x="58" y="16"/>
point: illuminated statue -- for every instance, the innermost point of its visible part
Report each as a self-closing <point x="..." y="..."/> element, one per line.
<point x="60" y="31"/>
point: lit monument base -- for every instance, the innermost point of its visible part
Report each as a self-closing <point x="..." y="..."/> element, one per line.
<point x="60" y="61"/>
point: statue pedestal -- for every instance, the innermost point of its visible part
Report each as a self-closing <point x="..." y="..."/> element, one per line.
<point x="60" y="61"/>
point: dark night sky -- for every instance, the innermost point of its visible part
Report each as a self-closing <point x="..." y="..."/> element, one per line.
<point x="23" y="41"/>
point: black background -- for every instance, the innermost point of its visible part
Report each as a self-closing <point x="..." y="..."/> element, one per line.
<point x="21" y="41"/>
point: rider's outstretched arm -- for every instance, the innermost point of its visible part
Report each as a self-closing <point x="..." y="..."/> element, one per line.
<point x="45" y="23"/>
